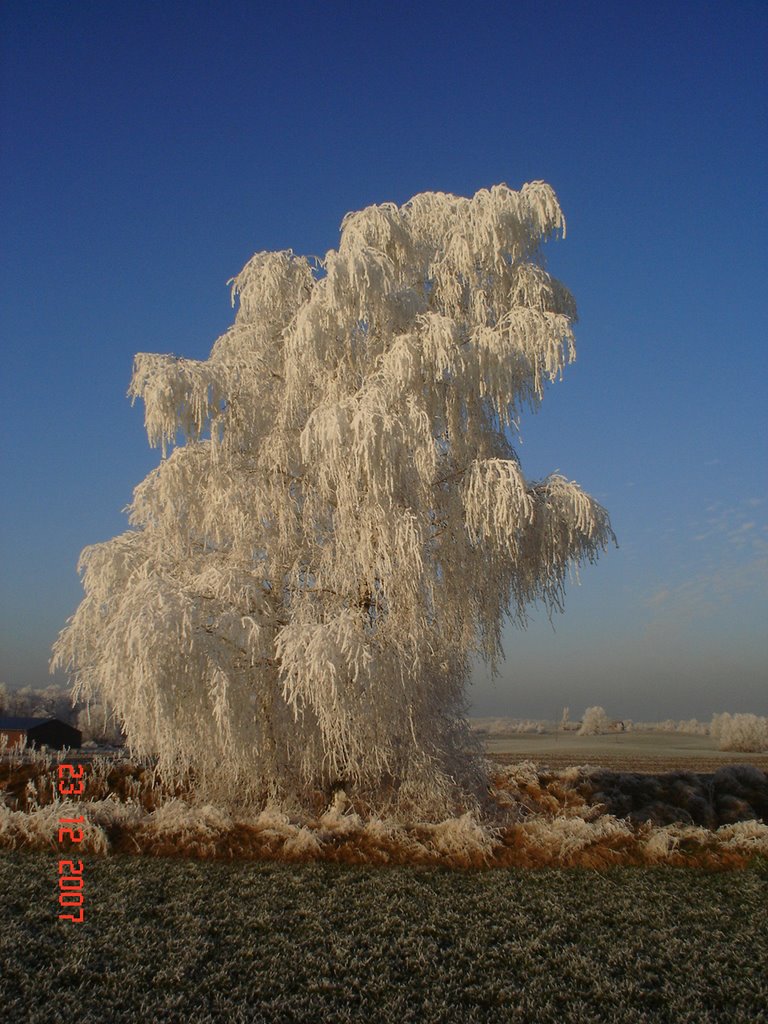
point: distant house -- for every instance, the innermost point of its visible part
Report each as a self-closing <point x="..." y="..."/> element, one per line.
<point x="38" y="732"/>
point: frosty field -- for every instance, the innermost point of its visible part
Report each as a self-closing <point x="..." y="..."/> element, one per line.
<point x="186" y="941"/>
<point x="192" y="916"/>
<point x="629" y="751"/>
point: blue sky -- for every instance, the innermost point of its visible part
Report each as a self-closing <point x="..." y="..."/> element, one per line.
<point x="149" y="149"/>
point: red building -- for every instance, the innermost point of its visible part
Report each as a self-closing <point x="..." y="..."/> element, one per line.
<point x="38" y="732"/>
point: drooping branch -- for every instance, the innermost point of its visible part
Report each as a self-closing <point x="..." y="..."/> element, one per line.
<point x="342" y="521"/>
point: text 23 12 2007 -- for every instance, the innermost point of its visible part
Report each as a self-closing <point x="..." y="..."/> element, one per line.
<point x="71" y="783"/>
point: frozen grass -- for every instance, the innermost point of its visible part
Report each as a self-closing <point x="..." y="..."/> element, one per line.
<point x="532" y="818"/>
<point x="642" y="751"/>
<point x="176" y="940"/>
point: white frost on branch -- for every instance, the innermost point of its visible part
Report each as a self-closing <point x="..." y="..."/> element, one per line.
<point x="342" y="521"/>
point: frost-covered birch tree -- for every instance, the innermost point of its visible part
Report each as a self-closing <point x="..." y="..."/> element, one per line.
<point x="339" y="522"/>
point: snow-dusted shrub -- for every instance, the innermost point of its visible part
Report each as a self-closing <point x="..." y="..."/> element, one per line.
<point x="747" y="733"/>
<point x="690" y="726"/>
<point x="510" y="726"/>
<point x="498" y="727"/>
<point x="716" y="725"/>
<point x="693" y="727"/>
<point x="99" y="726"/>
<point x="565" y="724"/>
<point x="594" y="721"/>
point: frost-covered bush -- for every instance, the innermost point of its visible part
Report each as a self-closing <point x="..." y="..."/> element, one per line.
<point x="510" y="726"/>
<point x="747" y="733"/>
<point x="97" y="725"/>
<point x="690" y="727"/>
<point x="594" y="721"/>
<point x="693" y="727"/>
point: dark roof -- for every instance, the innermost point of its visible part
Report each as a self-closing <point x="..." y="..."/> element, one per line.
<point x="26" y="723"/>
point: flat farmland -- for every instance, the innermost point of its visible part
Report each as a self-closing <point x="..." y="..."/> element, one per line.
<point x="633" y="752"/>
<point x="172" y="940"/>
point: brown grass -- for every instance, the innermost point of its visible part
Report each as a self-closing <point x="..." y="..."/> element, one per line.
<point x="533" y="819"/>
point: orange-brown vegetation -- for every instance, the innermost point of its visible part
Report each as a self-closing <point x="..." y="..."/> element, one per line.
<point x="533" y="817"/>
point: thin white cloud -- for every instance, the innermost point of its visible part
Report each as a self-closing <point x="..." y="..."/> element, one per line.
<point x="723" y="557"/>
<point x="733" y="524"/>
<point x="658" y="598"/>
<point x="705" y="593"/>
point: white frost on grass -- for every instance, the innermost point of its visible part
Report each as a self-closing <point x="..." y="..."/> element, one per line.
<point x="39" y="829"/>
<point x="561" y="838"/>
<point x="204" y="831"/>
<point x="534" y="817"/>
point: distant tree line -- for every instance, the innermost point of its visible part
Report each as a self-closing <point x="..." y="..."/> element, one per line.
<point x="94" y="722"/>
<point x="738" y="732"/>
